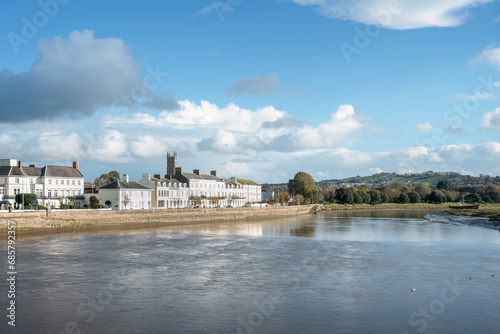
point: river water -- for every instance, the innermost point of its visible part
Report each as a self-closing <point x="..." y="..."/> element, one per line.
<point x="343" y="272"/>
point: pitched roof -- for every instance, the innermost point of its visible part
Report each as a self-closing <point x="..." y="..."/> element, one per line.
<point x="194" y="176"/>
<point x="155" y="179"/>
<point x="51" y="171"/>
<point x="124" y="185"/>
<point x="10" y="171"/>
<point x="61" y="171"/>
<point x="33" y="171"/>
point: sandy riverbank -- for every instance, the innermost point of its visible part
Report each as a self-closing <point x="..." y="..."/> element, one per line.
<point x="87" y="220"/>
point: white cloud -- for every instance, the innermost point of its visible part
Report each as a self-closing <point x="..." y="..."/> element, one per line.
<point x="375" y="170"/>
<point x="221" y="141"/>
<point x="490" y="55"/>
<point x="70" y="77"/>
<point x="147" y="146"/>
<point x="491" y="120"/>
<point x="339" y="128"/>
<point x="191" y="115"/>
<point x="402" y="14"/>
<point x="112" y="147"/>
<point x="425" y="127"/>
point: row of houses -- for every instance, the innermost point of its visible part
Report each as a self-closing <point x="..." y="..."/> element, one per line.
<point x="52" y="185"/>
<point x="56" y="185"/>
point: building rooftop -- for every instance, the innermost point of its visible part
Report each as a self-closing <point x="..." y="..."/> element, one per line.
<point x="247" y="182"/>
<point x="124" y="185"/>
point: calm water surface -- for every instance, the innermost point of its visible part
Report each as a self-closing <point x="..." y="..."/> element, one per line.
<point x="347" y="272"/>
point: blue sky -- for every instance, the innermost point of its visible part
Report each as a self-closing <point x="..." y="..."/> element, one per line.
<point x="256" y="89"/>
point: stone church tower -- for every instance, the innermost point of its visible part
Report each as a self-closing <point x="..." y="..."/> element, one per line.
<point x="171" y="163"/>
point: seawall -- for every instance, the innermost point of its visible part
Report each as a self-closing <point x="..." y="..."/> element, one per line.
<point x="72" y="220"/>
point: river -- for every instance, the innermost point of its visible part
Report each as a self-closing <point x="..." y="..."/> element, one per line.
<point x="336" y="272"/>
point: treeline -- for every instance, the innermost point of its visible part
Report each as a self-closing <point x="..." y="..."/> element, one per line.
<point x="399" y="192"/>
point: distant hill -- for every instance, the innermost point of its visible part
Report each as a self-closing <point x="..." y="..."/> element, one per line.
<point x="384" y="179"/>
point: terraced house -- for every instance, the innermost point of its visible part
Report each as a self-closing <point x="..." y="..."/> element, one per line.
<point x="53" y="185"/>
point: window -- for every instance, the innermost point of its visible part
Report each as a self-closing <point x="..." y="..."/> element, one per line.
<point x="67" y="182"/>
<point x="49" y="181"/>
<point x="73" y="182"/>
<point x="79" y="182"/>
<point x="57" y="181"/>
<point x="16" y="181"/>
<point x="50" y="193"/>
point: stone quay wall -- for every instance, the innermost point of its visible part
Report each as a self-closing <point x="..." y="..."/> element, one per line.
<point x="84" y="219"/>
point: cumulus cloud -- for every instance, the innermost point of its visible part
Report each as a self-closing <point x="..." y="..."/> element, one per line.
<point x="70" y="77"/>
<point x="260" y="85"/>
<point x="425" y="127"/>
<point x="147" y="146"/>
<point x="335" y="131"/>
<point x="221" y="141"/>
<point x="191" y="115"/>
<point x="490" y="55"/>
<point x="402" y="14"/>
<point x="491" y="120"/>
<point x="112" y="147"/>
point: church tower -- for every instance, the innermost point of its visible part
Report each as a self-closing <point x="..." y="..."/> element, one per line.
<point x="171" y="163"/>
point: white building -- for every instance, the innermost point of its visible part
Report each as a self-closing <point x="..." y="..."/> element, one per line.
<point x="168" y="193"/>
<point x="251" y="191"/>
<point x="125" y="195"/>
<point x="53" y="185"/>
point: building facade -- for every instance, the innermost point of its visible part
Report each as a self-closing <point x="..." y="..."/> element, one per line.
<point x="167" y="193"/>
<point x="53" y="185"/>
<point x="125" y="195"/>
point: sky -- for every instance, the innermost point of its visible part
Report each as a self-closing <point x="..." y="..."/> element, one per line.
<point x="256" y="89"/>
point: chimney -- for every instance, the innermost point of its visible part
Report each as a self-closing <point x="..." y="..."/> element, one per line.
<point x="168" y="177"/>
<point x="75" y="165"/>
<point x="20" y="164"/>
<point x="178" y="170"/>
<point x="196" y="171"/>
<point x="157" y="176"/>
<point x="213" y="173"/>
<point x="146" y="176"/>
<point x="125" y="177"/>
<point x="32" y="166"/>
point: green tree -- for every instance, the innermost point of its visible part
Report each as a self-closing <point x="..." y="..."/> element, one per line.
<point x="113" y="176"/>
<point x="474" y="198"/>
<point x="486" y="199"/>
<point x="344" y="196"/>
<point x="94" y="202"/>
<point x="414" y="197"/>
<point x="357" y="197"/>
<point x="444" y="184"/>
<point x="302" y="184"/>
<point x="494" y="196"/>
<point x="403" y="198"/>
<point x="375" y="197"/>
<point x="28" y="197"/>
<point x="365" y="196"/>
<point x="436" y="197"/>
<point x="384" y="197"/>
<point x="423" y="190"/>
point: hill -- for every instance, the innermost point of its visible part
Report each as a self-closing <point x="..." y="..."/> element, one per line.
<point x="384" y="179"/>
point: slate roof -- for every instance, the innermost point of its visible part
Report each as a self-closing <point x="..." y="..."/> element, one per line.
<point x="61" y="171"/>
<point x="154" y="179"/>
<point x="193" y="176"/>
<point x="51" y="171"/>
<point x="119" y="184"/>
<point x="33" y="171"/>
<point x="10" y="171"/>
